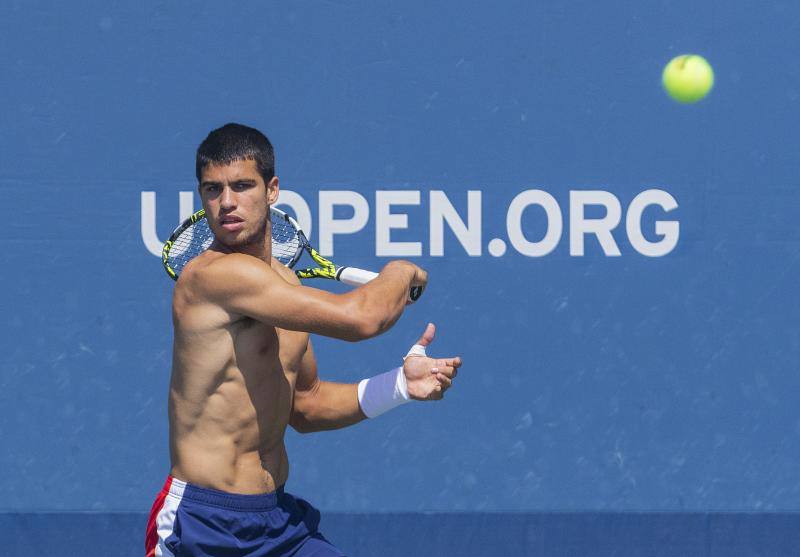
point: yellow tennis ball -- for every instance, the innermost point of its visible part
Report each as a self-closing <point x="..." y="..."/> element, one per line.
<point x="688" y="78"/>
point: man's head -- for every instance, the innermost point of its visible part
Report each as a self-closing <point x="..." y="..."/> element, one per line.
<point x="235" y="142"/>
<point x="236" y="179"/>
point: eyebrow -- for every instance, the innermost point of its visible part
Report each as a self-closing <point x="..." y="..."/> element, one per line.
<point x="247" y="181"/>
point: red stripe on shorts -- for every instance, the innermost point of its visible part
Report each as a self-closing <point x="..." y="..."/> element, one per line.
<point x="151" y="538"/>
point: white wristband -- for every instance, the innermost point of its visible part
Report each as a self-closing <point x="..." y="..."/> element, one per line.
<point x="383" y="392"/>
<point x="416" y="350"/>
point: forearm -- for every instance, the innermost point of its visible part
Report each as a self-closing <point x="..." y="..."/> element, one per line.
<point x="381" y="302"/>
<point x="326" y="406"/>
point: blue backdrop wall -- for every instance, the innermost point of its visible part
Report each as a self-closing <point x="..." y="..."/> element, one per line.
<point x="598" y="381"/>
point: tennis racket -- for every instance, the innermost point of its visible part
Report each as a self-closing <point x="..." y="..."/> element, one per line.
<point x="193" y="236"/>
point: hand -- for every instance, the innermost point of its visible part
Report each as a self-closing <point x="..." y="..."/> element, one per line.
<point x="428" y="378"/>
<point x="419" y="282"/>
<point x="418" y="278"/>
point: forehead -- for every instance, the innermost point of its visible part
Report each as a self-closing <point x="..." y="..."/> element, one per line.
<point x="237" y="170"/>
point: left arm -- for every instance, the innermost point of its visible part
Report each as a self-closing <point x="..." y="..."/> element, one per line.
<point x="322" y="405"/>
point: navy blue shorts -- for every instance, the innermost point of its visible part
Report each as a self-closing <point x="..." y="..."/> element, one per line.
<point x="188" y="520"/>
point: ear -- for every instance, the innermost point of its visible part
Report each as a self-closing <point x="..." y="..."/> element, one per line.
<point x="272" y="190"/>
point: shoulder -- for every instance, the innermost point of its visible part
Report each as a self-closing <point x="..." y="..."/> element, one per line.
<point x="214" y="273"/>
<point x="285" y="272"/>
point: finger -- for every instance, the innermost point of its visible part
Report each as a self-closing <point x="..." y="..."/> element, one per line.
<point x="448" y="362"/>
<point x="427" y="336"/>
<point x="444" y="381"/>
<point x="447" y="371"/>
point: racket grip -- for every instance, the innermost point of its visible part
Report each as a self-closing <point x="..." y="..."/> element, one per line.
<point x="356" y="277"/>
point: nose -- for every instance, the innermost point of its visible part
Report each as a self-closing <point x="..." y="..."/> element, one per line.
<point x="227" y="199"/>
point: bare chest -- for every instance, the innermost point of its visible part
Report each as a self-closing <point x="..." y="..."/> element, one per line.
<point x="256" y="344"/>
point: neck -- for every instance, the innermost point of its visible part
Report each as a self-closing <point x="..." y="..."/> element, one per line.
<point x="261" y="248"/>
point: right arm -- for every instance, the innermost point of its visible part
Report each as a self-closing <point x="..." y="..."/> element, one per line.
<point x="245" y="285"/>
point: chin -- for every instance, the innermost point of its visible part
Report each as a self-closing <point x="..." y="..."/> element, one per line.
<point x="241" y="239"/>
<point x="234" y="240"/>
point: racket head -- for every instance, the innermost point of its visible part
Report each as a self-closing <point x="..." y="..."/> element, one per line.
<point x="194" y="236"/>
<point x="191" y="238"/>
<point x="285" y="226"/>
<point x="288" y="239"/>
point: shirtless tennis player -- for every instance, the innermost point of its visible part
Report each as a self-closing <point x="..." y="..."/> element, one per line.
<point x="243" y="369"/>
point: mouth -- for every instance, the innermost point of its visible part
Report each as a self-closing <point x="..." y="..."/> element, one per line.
<point x="231" y="223"/>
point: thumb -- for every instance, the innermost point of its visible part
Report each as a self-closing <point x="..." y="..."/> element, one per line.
<point x="427" y="336"/>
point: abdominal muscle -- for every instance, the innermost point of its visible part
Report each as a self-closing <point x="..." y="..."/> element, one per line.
<point x="230" y="401"/>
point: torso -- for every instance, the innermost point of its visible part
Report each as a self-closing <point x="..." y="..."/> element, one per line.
<point x="231" y="391"/>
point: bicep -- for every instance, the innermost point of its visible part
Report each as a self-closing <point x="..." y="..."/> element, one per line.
<point x="250" y="287"/>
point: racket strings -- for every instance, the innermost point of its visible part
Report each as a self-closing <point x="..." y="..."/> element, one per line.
<point x="285" y="240"/>
<point x="189" y="244"/>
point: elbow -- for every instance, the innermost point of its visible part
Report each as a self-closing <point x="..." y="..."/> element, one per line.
<point x="300" y="416"/>
<point x="366" y="327"/>
<point x="367" y="321"/>
<point x="300" y="424"/>
<point x="305" y="409"/>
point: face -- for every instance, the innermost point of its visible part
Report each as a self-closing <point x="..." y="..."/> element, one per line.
<point x="237" y="201"/>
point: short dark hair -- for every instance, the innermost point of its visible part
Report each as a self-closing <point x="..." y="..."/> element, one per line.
<point x="235" y="142"/>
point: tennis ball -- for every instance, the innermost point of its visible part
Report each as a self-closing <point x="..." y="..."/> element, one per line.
<point x="688" y="78"/>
